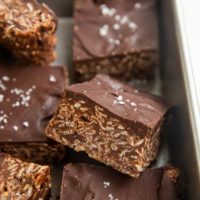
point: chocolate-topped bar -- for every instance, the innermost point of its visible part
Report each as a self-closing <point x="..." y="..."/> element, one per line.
<point x="21" y="180"/>
<point x="112" y="122"/>
<point x="27" y="30"/>
<point x="82" y="181"/>
<point x="28" y="98"/>
<point x="115" y="37"/>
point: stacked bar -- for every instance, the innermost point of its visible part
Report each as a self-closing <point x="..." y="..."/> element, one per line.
<point x="21" y="180"/>
<point x="115" y="37"/>
<point x="28" y="99"/>
<point x="112" y="122"/>
<point x="27" y="30"/>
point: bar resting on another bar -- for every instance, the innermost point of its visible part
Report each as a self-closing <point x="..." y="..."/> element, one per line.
<point x="112" y="122"/>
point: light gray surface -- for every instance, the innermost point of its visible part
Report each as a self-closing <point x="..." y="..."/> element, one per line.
<point x="64" y="45"/>
<point x="178" y="146"/>
<point x="182" y="137"/>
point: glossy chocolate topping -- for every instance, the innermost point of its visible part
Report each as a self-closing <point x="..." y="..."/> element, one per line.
<point x="28" y="98"/>
<point x="86" y="182"/>
<point x="114" y="27"/>
<point x="121" y="100"/>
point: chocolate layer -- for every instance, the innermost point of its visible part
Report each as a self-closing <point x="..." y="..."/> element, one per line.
<point x="82" y="181"/>
<point x="122" y="37"/>
<point x="112" y="14"/>
<point x="28" y="98"/>
<point x="113" y="123"/>
<point x="119" y="99"/>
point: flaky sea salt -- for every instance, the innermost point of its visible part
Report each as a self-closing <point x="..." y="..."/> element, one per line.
<point x="3" y="119"/>
<point x="103" y="31"/>
<point x="52" y="78"/>
<point x="106" y="11"/>
<point x="119" y="98"/>
<point x="116" y="26"/>
<point x="16" y="128"/>
<point x="138" y="6"/>
<point x="124" y="20"/>
<point x="133" y="104"/>
<point x="5" y="78"/>
<point x="16" y="104"/>
<point x="114" y="41"/>
<point x="26" y="124"/>
<point x="1" y="98"/>
<point x="106" y="184"/>
<point x="98" y="83"/>
<point x="117" y="17"/>
<point x="25" y="96"/>
<point x="110" y="196"/>
<point x="2" y="86"/>
<point x="132" y="25"/>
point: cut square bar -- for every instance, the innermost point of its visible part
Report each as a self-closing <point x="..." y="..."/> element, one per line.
<point x="112" y="122"/>
<point x="115" y="37"/>
<point x="28" y="98"/>
<point x="82" y="181"/>
<point x="27" y="30"/>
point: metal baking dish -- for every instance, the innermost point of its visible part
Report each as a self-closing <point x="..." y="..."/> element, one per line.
<point x="180" y="147"/>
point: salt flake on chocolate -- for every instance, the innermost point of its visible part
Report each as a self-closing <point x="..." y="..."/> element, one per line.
<point x="106" y="11"/>
<point x="132" y="25"/>
<point x="2" y="86"/>
<point x="25" y="96"/>
<point x="26" y="124"/>
<point x="16" y="128"/>
<point x="106" y="184"/>
<point x="110" y="196"/>
<point x="104" y="30"/>
<point x="124" y="20"/>
<point x="119" y="98"/>
<point x="133" y="104"/>
<point x="5" y="78"/>
<point x="117" y="17"/>
<point x="116" y="26"/>
<point x="1" y="98"/>
<point x="114" y="41"/>
<point x="138" y="6"/>
<point x="52" y="78"/>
